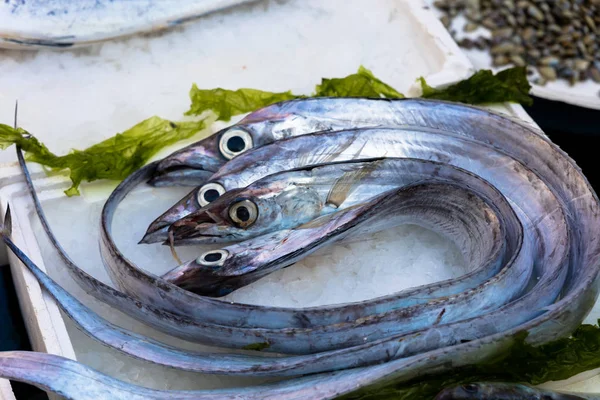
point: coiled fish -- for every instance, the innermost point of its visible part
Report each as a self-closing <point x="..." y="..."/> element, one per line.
<point x="196" y="163"/>
<point x="547" y="192"/>
<point x="288" y="203"/>
<point x="202" y="160"/>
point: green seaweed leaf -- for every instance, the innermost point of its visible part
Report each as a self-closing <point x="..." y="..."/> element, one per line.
<point x="483" y="87"/>
<point x="361" y="84"/>
<point x="227" y="103"/>
<point x="117" y="157"/>
<point x="521" y="363"/>
<point x="114" y="158"/>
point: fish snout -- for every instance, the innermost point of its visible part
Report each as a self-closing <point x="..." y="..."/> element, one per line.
<point x="158" y="230"/>
<point x="190" y="227"/>
<point x="190" y="166"/>
<point x="201" y="279"/>
<point x="182" y="176"/>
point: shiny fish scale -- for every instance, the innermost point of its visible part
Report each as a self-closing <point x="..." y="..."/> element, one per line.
<point x="147" y="349"/>
<point x="507" y="175"/>
<point x="195" y="163"/>
<point x="300" y="117"/>
<point x="536" y="312"/>
<point x="276" y="122"/>
<point x="383" y="175"/>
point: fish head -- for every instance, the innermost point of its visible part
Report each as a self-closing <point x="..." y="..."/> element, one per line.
<point x="233" y="216"/>
<point x="158" y="230"/>
<point x="201" y="276"/>
<point x="195" y="164"/>
<point x="219" y="272"/>
<point x="245" y="213"/>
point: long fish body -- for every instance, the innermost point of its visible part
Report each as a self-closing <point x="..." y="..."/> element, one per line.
<point x="552" y="200"/>
<point x="149" y="350"/>
<point x="194" y="165"/>
<point x="289" y="199"/>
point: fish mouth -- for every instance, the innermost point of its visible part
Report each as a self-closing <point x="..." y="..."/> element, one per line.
<point x="155" y="234"/>
<point x="197" y="280"/>
<point x="188" y="223"/>
<point x="158" y="230"/>
<point x="190" y="166"/>
<point x="180" y="175"/>
<point x="196" y="229"/>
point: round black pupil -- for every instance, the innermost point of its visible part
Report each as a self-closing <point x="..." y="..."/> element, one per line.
<point x="236" y="144"/>
<point x="243" y="214"/>
<point x="211" y="195"/>
<point x="212" y="257"/>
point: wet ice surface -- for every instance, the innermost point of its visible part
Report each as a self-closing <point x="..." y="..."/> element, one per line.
<point x="380" y="264"/>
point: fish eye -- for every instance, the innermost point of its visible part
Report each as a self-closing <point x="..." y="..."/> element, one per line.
<point x="213" y="258"/>
<point x="235" y="141"/>
<point x="470" y="388"/>
<point x="243" y="213"/>
<point x="209" y="193"/>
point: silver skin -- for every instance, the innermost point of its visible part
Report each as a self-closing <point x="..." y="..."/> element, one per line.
<point x="455" y="146"/>
<point x="268" y="125"/>
<point x="147" y="349"/>
<point x="526" y="166"/>
<point x="289" y="199"/>
<point x="196" y="163"/>
<point x="508" y="391"/>
<point x="319" y="337"/>
<point x="506" y="172"/>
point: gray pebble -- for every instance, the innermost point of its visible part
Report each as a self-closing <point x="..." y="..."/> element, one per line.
<point x="548" y="73"/>
<point x="500" y="61"/>
<point x="470" y="27"/>
<point x="517" y="60"/>
<point x="501" y="48"/>
<point x="535" y="12"/>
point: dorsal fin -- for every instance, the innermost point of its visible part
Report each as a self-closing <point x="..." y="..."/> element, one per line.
<point x="347" y="183"/>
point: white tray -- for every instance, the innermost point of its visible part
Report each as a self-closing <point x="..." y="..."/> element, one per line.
<point x="271" y="45"/>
